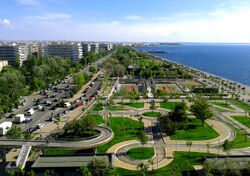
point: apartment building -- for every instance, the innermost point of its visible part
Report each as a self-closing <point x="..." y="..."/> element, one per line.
<point x="106" y="46"/>
<point x="10" y="52"/>
<point x="66" y="50"/>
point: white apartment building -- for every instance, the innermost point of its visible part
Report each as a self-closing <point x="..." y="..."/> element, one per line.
<point x="66" y="50"/>
<point x="9" y="52"/>
<point x="3" y="63"/>
<point x="106" y="46"/>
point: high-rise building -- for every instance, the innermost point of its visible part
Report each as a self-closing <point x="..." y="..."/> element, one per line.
<point x="66" y="50"/>
<point x="85" y="48"/>
<point x="106" y="46"/>
<point x="94" y="47"/>
<point x="10" y="52"/>
<point x="3" y="63"/>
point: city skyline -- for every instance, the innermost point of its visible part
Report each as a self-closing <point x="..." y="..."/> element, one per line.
<point x="152" y="21"/>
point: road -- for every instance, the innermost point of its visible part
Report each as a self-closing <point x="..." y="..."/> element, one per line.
<point x="105" y="136"/>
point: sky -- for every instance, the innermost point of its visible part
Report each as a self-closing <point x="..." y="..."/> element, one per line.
<point x="225" y="21"/>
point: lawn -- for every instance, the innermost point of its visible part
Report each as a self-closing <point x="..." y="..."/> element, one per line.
<point x="167" y="105"/>
<point x="240" y="141"/>
<point x="97" y="118"/>
<point x="195" y="131"/>
<point x="141" y="153"/>
<point x="114" y="108"/>
<point x="245" y="120"/>
<point x="224" y="105"/>
<point x="65" y="152"/>
<point x="152" y="114"/>
<point x="181" y="165"/>
<point x="241" y="105"/>
<point x="98" y="107"/>
<point x="124" y="129"/>
<point x="134" y="105"/>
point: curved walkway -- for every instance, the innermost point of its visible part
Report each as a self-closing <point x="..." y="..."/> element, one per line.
<point x="106" y="136"/>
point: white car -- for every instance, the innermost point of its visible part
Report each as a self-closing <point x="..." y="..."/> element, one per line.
<point x="40" y="125"/>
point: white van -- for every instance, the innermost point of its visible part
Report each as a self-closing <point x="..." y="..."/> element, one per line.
<point x="31" y="111"/>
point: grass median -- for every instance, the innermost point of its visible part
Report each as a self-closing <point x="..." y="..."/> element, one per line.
<point x="168" y="105"/>
<point x="134" y="105"/>
<point x="223" y="105"/>
<point x="152" y="114"/>
<point x="195" y="131"/>
<point x="141" y="153"/>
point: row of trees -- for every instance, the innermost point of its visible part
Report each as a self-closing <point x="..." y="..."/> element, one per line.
<point x="97" y="167"/>
<point x="177" y="118"/>
<point x="38" y="73"/>
<point x="79" y="127"/>
<point x="16" y="132"/>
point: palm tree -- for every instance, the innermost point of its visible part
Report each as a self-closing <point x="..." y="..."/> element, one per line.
<point x="208" y="147"/>
<point x="142" y="169"/>
<point x="57" y="121"/>
<point x="189" y="144"/>
<point x="151" y="161"/>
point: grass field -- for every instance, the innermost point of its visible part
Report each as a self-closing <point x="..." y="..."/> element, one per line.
<point x="240" y="140"/>
<point x="134" y="105"/>
<point x="124" y="129"/>
<point x="97" y="118"/>
<point x="195" y="131"/>
<point x="181" y="165"/>
<point x="241" y="105"/>
<point x="152" y="114"/>
<point x="114" y="108"/>
<point x="98" y="107"/>
<point x="224" y="105"/>
<point x="142" y="153"/>
<point x="167" y="105"/>
<point x="245" y="120"/>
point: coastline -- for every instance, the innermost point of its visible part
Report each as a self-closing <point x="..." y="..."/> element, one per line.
<point x="247" y="88"/>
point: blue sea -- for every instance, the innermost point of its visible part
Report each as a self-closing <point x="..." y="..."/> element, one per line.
<point x="230" y="61"/>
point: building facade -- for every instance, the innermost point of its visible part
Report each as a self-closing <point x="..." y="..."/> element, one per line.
<point x="10" y="52"/>
<point x="66" y="50"/>
<point x="106" y="46"/>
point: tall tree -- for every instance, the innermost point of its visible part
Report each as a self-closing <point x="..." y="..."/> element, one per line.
<point x="201" y="109"/>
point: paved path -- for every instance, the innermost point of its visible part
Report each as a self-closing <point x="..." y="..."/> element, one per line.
<point x="105" y="136"/>
<point x="165" y="147"/>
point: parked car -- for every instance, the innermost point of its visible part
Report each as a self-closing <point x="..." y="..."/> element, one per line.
<point x="40" y="125"/>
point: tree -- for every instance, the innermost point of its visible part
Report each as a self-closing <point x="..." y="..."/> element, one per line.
<point x="85" y="171"/>
<point x="30" y="173"/>
<point x="189" y="145"/>
<point x="92" y="69"/>
<point x="110" y="171"/>
<point x="142" y="138"/>
<point x="142" y="169"/>
<point x="151" y="161"/>
<point x="15" y="132"/>
<point x="226" y="146"/>
<point x="57" y="121"/>
<point x="201" y="110"/>
<point x="98" y="165"/>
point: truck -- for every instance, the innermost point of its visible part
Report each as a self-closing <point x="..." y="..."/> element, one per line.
<point x="4" y="127"/>
<point x="20" y="118"/>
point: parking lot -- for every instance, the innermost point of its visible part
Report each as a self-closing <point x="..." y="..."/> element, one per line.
<point x="46" y="106"/>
